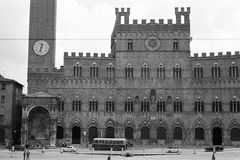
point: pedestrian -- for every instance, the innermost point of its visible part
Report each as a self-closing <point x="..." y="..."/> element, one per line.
<point x="213" y="157"/>
<point x="28" y="155"/>
<point x="24" y="154"/>
<point x="6" y="142"/>
<point x="109" y="158"/>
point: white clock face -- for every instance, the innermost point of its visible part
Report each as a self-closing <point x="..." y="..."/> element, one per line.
<point x="152" y="43"/>
<point x="41" y="48"/>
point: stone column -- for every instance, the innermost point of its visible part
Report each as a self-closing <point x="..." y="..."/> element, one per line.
<point x="53" y="133"/>
<point x="24" y="132"/>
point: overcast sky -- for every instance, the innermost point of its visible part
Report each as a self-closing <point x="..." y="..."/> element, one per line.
<point x="86" y="26"/>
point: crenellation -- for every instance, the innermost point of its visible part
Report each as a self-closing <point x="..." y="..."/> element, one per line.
<point x="73" y="54"/>
<point x="102" y="55"/>
<point x="80" y="54"/>
<point x="65" y="54"/>
<point x="161" y="21"/>
<point x="219" y="54"/>
<point x="152" y="21"/>
<point x="88" y="54"/>
<point x="144" y="21"/>
<point x="169" y="21"/>
<point x="135" y="21"/>
<point x="228" y="54"/>
<point x="95" y="54"/>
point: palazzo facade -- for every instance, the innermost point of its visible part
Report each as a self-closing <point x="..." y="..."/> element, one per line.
<point x="148" y="89"/>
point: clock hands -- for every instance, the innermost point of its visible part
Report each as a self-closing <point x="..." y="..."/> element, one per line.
<point x="41" y="47"/>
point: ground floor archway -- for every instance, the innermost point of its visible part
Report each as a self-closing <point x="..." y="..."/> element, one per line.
<point x="93" y="133"/>
<point x="109" y="132"/>
<point x="145" y="133"/>
<point x="129" y="133"/>
<point x="2" y="135"/>
<point x="76" y="135"/>
<point x="217" y="136"/>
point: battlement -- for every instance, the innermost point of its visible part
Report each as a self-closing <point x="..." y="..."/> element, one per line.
<point x="87" y="55"/>
<point x="217" y="55"/>
<point x="179" y="14"/>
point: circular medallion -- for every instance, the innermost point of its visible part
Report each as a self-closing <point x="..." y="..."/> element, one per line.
<point x="152" y="43"/>
<point x="41" y="47"/>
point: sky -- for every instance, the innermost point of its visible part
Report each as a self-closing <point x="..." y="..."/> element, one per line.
<point x="86" y="26"/>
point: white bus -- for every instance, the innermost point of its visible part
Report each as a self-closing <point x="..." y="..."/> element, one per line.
<point x="108" y="143"/>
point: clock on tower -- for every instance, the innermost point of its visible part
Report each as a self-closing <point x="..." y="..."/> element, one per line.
<point x="42" y="35"/>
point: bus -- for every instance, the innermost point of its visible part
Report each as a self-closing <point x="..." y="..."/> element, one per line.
<point x="107" y="143"/>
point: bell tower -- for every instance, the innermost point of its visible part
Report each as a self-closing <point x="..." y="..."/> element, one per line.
<point x="42" y="35"/>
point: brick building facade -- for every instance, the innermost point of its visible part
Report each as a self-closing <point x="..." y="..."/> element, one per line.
<point x="148" y="89"/>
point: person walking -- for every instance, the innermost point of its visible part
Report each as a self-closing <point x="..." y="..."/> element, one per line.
<point x="109" y="158"/>
<point x="213" y="157"/>
<point x="24" y="154"/>
<point x="28" y="155"/>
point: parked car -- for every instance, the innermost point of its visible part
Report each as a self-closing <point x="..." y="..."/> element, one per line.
<point x="69" y="149"/>
<point x="217" y="148"/>
<point x="173" y="149"/>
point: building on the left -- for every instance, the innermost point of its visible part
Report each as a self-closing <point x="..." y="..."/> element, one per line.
<point x="10" y="110"/>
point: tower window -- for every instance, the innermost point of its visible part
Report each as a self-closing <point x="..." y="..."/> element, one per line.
<point x="161" y="71"/>
<point x="76" y="105"/>
<point x="199" y="105"/>
<point x="175" y="44"/>
<point x="110" y="105"/>
<point x="198" y="72"/>
<point x="234" y="105"/>
<point x="161" y="105"/>
<point x="145" y="71"/>
<point x="216" y="105"/>
<point x="130" y="44"/>
<point x="177" y="105"/>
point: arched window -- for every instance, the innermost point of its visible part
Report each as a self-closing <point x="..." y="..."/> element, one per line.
<point x="233" y="70"/>
<point x="145" y="105"/>
<point x="234" y="105"/>
<point x="177" y="105"/>
<point x="216" y="71"/>
<point x="129" y="71"/>
<point x="175" y="44"/>
<point x="129" y="105"/>
<point x="161" y="133"/>
<point x="77" y="71"/>
<point x="110" y="71"/>
<point x="130" y="44"/>
<point x="177" y="133"/>
<point x="145" y="71"/>
<point x="199" y="105"/>
<point x="94" y="70"/>
<point x="76" y="105"/>
<point x="235" y="134"/>
<point x="161" y="71"/>
<point x="60" y="105"/>
<point x="110" y="105"/>
<point x="216" y="105"/>
<point x="199" y="133"/>
<point x="161" y="105"/>
<point x="177" y="71"/>
<point x="198" y="71"/>
<point x="93" y="105"/>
